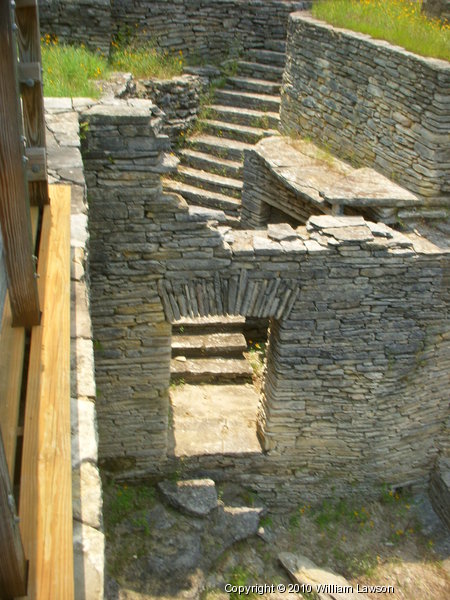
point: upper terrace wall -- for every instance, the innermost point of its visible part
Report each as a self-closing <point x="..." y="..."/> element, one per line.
<point x="372" y="103"/>
<point x="354" y="391"/>
<point x="207" y="28"/>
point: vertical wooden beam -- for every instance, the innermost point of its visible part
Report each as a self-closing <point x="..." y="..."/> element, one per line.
<point x="14" y="205"/>
<point x="46" y="479"/>
<point x="27" y="19"/>
<point x="13" y="566"/>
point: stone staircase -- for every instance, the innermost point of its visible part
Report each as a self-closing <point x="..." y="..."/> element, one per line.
<point x="245" y="110"/>
<point x="209" y="350"/>
<point x="210" y="175"/>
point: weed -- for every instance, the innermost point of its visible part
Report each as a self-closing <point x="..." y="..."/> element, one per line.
<point x="266" y="521"/>
<point x="84" y="128"/>
<point x="144" y="60"/>
<point x="179" y="383"/>
<point x="98" y="347"/>
<point x="122" y="500"/>
<point x="240" y="576"/>
<point x="71" y="70"/>
<point x="399" y="21"/>
<point x="256" y="356"/>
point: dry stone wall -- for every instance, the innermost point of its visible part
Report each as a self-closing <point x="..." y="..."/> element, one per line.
<point x="372" y="103"/>
<point x="178" y="98"/>
<point x="78" y="21"/>
<point x="358" y="354"/>
<point x="206" y="28"/>
<point x="437" y="8"/>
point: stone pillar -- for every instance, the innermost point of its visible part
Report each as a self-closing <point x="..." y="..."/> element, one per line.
<point x="123" y="158"/>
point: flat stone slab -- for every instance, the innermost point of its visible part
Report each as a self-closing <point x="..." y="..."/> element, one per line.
<point x="324" y="180"/>
<point x="211" y="370"/>
<point x="197" y="497"/>
<point x="326" y="584"/>
<point x="366" y="187"/>
<point x="214" y="419"/>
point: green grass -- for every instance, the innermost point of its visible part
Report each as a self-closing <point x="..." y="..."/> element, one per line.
<point x="146" y="61"/>
<point x="71" y="71"/>
<point x="398" y="21"/>
<point x="124" y="501"/>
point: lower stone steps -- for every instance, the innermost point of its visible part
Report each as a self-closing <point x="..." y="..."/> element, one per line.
<point x="250" y="84"/>
<point x="248" y="100"/>
<point x="275" y="45"/>
<point x="211" y="370"/>
<point x="234" y="131"/>
<point x="222" y="147"/>
<point x="211" y="164"/>
<point x="260" y="71"/>
<point x="244" y="116"/>
<point x="268" y="57"/>
<point x="210" y="181"/>
<point x="204" y="325"/>
<point x="231" y="345"/>
<point x="197" y="196"/>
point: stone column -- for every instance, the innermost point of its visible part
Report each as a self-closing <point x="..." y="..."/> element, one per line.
<point x="123" y="158"/>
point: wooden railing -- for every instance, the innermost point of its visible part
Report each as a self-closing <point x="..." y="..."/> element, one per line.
<point x="36" y="552"/>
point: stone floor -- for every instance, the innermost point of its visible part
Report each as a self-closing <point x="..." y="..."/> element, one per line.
<point x="214" y="419"/>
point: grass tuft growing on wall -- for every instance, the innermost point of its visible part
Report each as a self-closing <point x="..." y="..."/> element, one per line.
<point x="400" y="22"/>
<point x="146" y="61"/>
<point x="71" y="71"/>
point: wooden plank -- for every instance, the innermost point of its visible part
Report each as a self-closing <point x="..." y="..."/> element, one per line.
<point x="27" y="19"/>
<point x="26" y="3"/>
<point x="46" y="488"/>
<point x="12" y="349"/>
<point x="14" y="207"/>
<point x="13" y="566"/>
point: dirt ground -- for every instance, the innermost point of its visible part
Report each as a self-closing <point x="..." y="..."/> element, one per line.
<point x="153" y="552"/>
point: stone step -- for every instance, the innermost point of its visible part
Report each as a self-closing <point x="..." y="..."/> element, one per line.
<point x="233" y="131"/>
<point x="222" y="147"/>
<point x="208" y="325"/>
<point x="244" y="116"/>
<point x="211" y="164"/>
<point x="207" y="345"/>
<point x="259" y="86"/>
<point x="267" y="57"/>
<point x="276" y="45"/>
<point x="199" y="197"/>
<point x="209" y="181"/>
<point x="260" y="70"/>
<point x="248" y="100"/>
<point x="211" y="370"/>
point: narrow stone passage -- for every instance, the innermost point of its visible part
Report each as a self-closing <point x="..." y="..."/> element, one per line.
<point x="244" y="111"/>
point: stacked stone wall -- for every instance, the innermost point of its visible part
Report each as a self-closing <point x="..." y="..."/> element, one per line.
<point x="358" y="355"/>
<point x="209" y="29"/>
<point x="437" y="8"/>
<point x="178" y="98"/>
<point x="372" y="103"/>
<point x="78" y="21"/>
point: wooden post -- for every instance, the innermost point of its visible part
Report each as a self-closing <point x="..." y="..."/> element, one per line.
<point x="14" y="205"/>
<point x="27" y="19"/>
<point x="13" y="566"/>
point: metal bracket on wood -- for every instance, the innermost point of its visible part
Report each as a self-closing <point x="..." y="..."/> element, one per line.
<point x="37" y="164"/>
<point x="30" y="73"/>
